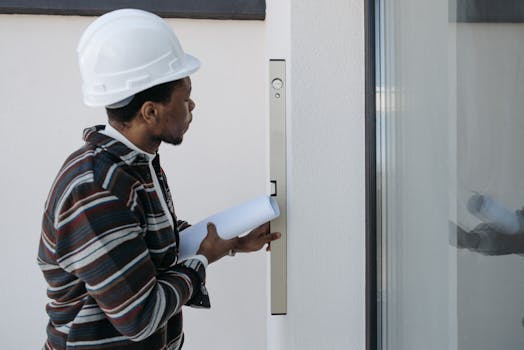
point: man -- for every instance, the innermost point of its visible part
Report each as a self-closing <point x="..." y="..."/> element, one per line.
<point x="109" y="242"/>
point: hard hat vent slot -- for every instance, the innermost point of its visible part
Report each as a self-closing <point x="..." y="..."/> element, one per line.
<point x="138" y="81"/>
<point x="99" y="88"/>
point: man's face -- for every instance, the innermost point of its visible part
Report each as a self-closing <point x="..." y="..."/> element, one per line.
<point x="175" y="116"/>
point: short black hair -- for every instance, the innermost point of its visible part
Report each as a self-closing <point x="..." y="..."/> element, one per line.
<point x="158" y="93"/>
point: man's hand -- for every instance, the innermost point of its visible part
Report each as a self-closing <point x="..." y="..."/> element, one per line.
<point x="256" y="239"/>
<point x="487" y="239"/>
<point x="213" y="247"/>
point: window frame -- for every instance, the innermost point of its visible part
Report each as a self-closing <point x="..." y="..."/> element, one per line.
<point x="372" y="247"/>
<point x="197" y="9"/>
<point x="486" y="11"/>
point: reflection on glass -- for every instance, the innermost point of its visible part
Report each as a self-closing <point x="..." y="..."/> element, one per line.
<point x="500" y="233"/>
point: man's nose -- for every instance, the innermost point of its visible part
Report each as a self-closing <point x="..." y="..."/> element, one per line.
<point x="191" y="104"/>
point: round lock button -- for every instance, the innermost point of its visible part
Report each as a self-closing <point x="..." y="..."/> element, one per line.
<point x="277" y="84"/>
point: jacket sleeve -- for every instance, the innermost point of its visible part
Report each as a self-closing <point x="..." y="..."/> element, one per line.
<point x="100" y="240"/>
<point x="182" y="225"/>
<point x="200" y="297"/>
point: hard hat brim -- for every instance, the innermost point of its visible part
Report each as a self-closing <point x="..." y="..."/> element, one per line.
<point x="192" y="64"/>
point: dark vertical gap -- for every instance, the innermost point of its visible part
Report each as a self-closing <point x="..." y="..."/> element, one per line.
<point x="371" y="188"/>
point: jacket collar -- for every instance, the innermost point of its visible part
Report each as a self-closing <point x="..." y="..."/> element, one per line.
<point x="129" y="156"/>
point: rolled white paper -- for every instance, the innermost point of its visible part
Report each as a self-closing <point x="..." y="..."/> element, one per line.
<point x="230" y="223"/>
<point x="489" y="210"/>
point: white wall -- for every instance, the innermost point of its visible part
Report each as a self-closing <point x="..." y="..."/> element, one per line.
<point x="326" y="228"/>
<point x="221" y="162"/>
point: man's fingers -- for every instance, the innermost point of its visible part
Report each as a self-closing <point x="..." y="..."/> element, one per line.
<point x="265" y="227"/>
<point x="273" y="236"/>
<point x="262" y="229"/>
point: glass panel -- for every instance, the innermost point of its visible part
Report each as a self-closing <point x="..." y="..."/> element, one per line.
<point x="450" y="134"/>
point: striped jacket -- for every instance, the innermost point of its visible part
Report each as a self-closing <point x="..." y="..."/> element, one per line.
<point x="109" y="254"/>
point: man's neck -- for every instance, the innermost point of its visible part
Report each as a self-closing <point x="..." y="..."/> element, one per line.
<point x="131" y="139"/>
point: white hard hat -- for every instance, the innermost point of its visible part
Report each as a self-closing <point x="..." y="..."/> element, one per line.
<point x="127" y="51"/>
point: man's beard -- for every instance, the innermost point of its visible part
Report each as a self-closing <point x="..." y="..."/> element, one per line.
<point x="169" y="140"/>
<point x="175" y="142"/>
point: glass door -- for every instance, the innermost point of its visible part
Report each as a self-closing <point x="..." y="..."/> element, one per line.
<point x="450" y="135"/>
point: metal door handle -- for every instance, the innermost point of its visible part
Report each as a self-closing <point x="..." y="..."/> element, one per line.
<point x="277" y="110"/>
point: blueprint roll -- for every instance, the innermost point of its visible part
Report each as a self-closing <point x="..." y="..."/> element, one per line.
<point x="488" y="210"/>
<point x="230" y="223"/>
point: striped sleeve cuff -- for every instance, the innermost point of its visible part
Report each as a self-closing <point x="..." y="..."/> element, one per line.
<point x="196" y="270"/>
<point x="202" y="259"/>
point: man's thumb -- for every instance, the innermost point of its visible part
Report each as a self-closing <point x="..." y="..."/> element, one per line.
<point x="211" y="229"/>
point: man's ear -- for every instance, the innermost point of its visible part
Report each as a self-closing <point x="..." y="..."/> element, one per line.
<point x="149" y="112"/>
